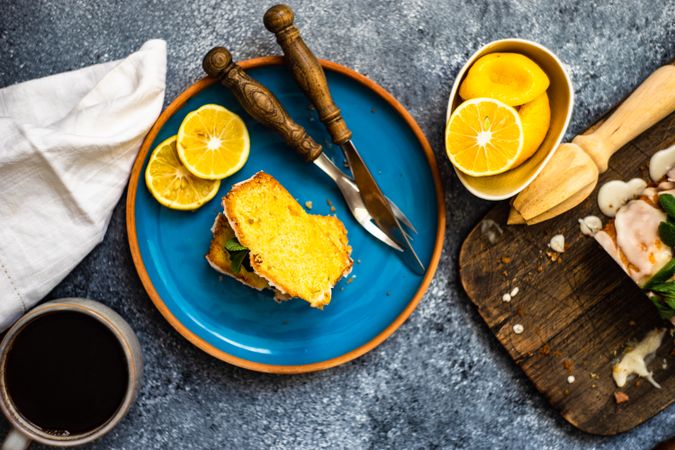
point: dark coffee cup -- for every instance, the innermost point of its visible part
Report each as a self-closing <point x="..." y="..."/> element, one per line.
<point x="70" y="370"/>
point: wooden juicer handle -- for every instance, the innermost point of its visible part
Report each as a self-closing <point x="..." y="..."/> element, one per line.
<point x="653" y="100"/>
<point x="259" y="102"/>
<point x="306" y="70"/>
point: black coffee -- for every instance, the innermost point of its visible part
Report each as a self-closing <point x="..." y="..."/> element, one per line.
<point x="66" y="373"/>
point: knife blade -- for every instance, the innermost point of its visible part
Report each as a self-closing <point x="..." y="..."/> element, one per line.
<point x="263" y="106"/>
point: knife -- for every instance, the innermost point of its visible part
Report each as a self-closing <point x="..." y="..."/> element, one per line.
<point x="264" y="107"/>
<point x="309" y="75"/>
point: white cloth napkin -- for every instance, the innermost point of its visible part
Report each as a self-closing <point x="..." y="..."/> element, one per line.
<point x="67" y="144"/>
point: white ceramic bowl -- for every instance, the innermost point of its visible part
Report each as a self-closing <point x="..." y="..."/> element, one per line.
<point x="561" y="98"/>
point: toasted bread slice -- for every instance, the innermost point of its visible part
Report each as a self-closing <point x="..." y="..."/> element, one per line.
<point x="299" y="254"/>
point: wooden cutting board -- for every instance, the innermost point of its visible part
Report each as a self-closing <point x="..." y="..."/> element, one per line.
<point x="579" y="312"/>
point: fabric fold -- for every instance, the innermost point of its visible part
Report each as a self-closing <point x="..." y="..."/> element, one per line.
<point x="69" y="141"/>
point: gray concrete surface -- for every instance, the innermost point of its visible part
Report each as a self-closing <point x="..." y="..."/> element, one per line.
<point x="442" y="380"/>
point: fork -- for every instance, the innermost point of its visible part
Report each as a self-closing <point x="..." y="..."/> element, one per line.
<point x="263" y="106"/>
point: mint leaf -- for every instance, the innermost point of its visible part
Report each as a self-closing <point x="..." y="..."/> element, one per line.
<point x="663" y="297"/>
<point x="237" y="258"/>
<point x="233" y="245"/>
<point x="667" y="202"/>
<point x="238" y="255"/>
<point x="662" y="275"/>
<point x="666" y="307"/>
<point x="667" y="233"/>
<point x="666" y="289"/>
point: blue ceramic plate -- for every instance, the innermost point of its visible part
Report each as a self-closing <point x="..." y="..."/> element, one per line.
<point x="246" y="327"/>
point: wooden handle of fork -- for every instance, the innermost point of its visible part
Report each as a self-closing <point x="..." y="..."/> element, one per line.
<point x="259" y="102"/>
<point x="306" y="70"/>
<point x="653" y="100"/>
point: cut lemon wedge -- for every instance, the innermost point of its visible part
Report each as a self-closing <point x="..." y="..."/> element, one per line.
<point x="536" y="118"/>
<point x="484" y="137"/>
<point x="172" y="184"/>
<point x="213" y="142"/>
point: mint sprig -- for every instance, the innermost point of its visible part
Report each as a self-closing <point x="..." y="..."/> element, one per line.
<point x="238" y="255"/>
<point x="667" y="233"/>
<point x="661" y="286"/>
<point x="667" y="202"/>
<point x="233" y="245"/>
<point x="663" y="297"/>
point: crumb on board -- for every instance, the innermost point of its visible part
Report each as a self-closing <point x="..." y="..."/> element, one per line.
<point x="571" y="379"/>
<point x="518" y="328"/>
<point x="553" y="256"/>
<point x="514" y="291"/>
<point x="594" y="385"/>
<point x="620" y="397"/>
<point x="594" y="376"/>
<point x="505" y="259"/>
<point x="568" y="364"/>
<point x="545" y="350"/>
<point x="506" y="297"/>
<point x="308" y="204"/>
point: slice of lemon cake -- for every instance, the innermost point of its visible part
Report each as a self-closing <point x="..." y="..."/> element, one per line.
<point x="266" y="239"/>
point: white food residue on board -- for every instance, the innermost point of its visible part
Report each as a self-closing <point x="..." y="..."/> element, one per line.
<point x="590" y="225"/>
<point x="491" y="230"/>
<point x="557" y="243"/>
<point x="634" y="361"/>
<point x="518" y="328"/>
<point x="571" y="379"/>
<point x="661" y="162"/>
<point x="616" y="193"/>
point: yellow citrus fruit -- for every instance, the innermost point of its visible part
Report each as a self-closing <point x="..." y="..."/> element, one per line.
<point x="484" y="137"/>
<point x="535" y="117"/>
<point x="511" y="78"/>
<point x="172" y="184"/>
<point x="213" y="142"/>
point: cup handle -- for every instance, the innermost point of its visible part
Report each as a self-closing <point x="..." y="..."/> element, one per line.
<point x="15" y="440"/>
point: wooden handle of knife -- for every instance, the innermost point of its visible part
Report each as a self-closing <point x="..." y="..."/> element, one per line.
<point x="259" y="102"/>
<point x="306" y="70"/>
<point x="653" y="100"/>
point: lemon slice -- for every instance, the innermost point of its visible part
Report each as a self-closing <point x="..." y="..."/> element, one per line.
<point x="172" y="184"/>
<point x="484" y="137"/>
<point x="213" y="142"/>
